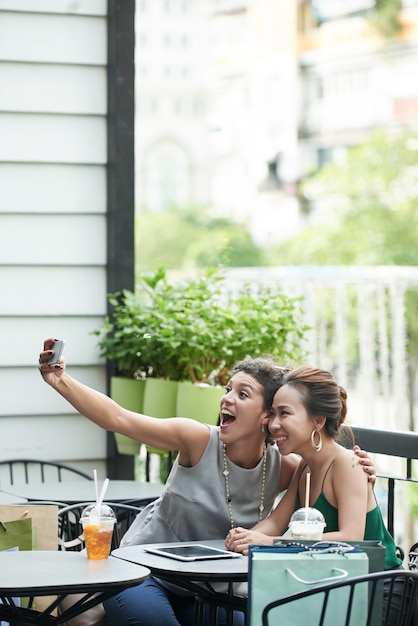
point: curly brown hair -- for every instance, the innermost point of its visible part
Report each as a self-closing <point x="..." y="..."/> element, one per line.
<point x="266" y="371"/>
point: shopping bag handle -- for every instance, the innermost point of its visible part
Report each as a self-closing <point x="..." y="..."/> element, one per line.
<point x="343" y="574"/>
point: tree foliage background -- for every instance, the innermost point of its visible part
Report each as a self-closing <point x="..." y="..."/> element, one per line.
<point x="370" y="198"/>
<point x="190" y="238"/>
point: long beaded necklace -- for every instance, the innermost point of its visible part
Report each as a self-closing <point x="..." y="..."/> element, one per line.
<point x="263" y="485"/>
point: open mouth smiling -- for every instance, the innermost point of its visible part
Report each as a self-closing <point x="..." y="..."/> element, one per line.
<point x="227" y="417"/>
<point x="280" y="440"/>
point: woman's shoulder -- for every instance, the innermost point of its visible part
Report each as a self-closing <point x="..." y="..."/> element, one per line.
<point x="345" y="459"/>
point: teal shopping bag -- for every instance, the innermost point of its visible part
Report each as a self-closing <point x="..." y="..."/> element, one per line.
<point x="275" y="573"/>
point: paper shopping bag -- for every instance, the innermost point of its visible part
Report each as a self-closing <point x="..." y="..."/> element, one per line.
<point x="274" y="573"/>
<point x="15" y="600"/>
<point x="14" y="536"/>
<point x="375" y="552"/>
<point x="17" y="534"/>
<point x="43" y="519"/>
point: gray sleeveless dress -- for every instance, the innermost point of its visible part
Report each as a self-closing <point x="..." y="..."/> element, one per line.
<point x="193" y="504"/>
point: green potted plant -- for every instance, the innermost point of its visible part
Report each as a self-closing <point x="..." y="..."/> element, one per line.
<point x="118" y="341"/>
<point x="190" y="331"/>
<point x="163" y="334"/>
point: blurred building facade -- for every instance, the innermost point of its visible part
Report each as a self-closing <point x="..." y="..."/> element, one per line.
<point x="171" y="74"/>
<point x="273" y="89"/>
<point x="354" y="80"/>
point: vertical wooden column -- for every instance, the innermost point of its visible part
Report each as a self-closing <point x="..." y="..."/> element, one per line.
<point x="120" y="175"/>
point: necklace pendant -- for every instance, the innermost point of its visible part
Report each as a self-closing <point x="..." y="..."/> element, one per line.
<point x="225" y="472"/>
<point x="261" y="508"/>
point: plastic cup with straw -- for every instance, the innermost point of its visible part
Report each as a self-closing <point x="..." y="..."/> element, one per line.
<point x="98" y="521"/>
<point x="307" y="522"/>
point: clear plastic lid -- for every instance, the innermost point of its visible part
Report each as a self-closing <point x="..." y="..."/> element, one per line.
<point x="91" y="512"/>
<point x="307" y="515"/>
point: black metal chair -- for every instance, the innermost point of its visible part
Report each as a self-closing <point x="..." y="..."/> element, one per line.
<point x="401" y="585"/>
<point x="70" y="532"/>
<point x="413" y="558"/>
<point x="26" y="470"/>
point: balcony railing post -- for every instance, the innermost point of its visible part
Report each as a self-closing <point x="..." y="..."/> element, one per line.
<point x="391" y="505"/>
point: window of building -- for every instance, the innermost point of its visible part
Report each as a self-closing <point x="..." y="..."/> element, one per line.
<point x="166" y="182"/>
<point x="326" y="10"/>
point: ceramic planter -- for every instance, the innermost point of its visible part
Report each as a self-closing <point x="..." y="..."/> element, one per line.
<point x="199" y="402"/>
<point x="129" y="393"/>
<point x="160" y="397"/>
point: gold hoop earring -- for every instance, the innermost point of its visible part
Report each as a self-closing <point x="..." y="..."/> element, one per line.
<point x="316" y="446"/>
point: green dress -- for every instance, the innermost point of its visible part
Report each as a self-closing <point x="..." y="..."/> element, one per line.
<point x="375" y="528"/>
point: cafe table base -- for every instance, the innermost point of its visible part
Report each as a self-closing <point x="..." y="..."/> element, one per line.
<point x="22" y="616"/>
<point x="58" y="574"/>
<point x="215" y="601"/>
<point x="198" y="577"/>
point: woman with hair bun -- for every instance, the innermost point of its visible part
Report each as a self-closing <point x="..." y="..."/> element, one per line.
<point x="306" y="417"/>
<point x="223" y="476"/>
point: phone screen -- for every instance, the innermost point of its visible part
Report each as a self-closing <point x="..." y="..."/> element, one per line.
<point x="58" y="347"/>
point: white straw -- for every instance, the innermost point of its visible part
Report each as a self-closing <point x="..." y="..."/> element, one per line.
<point x="96" y="484"/>
<point x="308" y="486"/>
<point x="102" y="494"/>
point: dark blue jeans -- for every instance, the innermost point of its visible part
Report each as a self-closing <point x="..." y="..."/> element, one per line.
<point x="150" y="603"/>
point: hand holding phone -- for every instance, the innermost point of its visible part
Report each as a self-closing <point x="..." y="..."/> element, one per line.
<point x="57" y="347"/>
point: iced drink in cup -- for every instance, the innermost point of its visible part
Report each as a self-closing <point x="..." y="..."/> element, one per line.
<point x="307" y="523"/>
<point x="98" y="530"/>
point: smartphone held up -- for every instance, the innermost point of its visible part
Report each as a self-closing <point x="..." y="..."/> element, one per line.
<point x="58" y="348"/>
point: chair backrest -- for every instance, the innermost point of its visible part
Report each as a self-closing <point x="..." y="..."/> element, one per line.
<point x="413" y="557"/>
<point x="18" y="471"/>
<point x="399" y="606"/>
<point x="70" y="532"/>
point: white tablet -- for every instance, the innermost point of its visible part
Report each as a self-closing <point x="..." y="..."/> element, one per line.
<point x="190" y="552"/>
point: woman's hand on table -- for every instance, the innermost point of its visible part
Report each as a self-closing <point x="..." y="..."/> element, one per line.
<point x="238" y="539"/>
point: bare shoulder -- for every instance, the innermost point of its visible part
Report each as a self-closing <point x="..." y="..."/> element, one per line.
<point x="194" y="439"/>
<point x="345" y="461"/>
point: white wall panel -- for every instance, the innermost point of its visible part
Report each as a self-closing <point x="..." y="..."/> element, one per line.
<point x="57" y="38"/>
<point x="21" y="339"/>
<point x="62" y="239"/>
<point x="53" y="291"/>
<point x="87" y="7"/>
<point x="48" y="138"/>
<point x="51" y="188"/>
<point x="25" y="393"/>
<point x="53" y="158"/>
<point x="52" y="88"/>
<point x="52" y="438"/>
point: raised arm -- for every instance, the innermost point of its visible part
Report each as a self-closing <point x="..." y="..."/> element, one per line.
<point x="189" y="437"/>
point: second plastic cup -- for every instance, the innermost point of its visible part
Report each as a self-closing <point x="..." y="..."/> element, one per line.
<point x="307" y="523"/>
<point x="98" y="530"/>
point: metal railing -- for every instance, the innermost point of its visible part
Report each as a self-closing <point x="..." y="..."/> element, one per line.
<point x="395" y="444"/>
